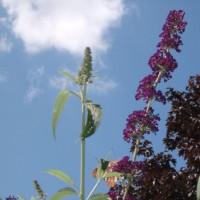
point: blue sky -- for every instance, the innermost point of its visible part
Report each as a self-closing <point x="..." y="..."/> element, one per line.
<point x="39" y="39"/>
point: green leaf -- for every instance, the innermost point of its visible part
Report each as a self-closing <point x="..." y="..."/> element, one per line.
<point x="21" y="197"/>
<point x="99" y="196"/>
<point x="198" y="189"/>
<point x="61" y="175"/>
<point x="58" y="108"/>
<point x="94" y="115"/>
<point x="61" y="100"/>
<point x="63" y="193"/>
<point x="113" y="174"/>
<point x="74" y="93"/>
<point x="68" y="75"/>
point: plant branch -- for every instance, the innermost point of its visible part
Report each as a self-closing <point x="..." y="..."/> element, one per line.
<point x="82" y="182"/>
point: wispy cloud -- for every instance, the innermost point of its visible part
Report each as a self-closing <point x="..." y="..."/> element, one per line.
<point x="102" y="86"/>
<point x="32" y="93"/>
<point x="34" y="78"/>
<point x="59" y="82"/>
<point x="64" y="25"/>
<point x="99" y="86"/>
<point x="5" y="44"/>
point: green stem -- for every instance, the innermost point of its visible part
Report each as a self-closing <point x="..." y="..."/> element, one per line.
<point x="136" y="148"/>
<point x="82" y="182"/>
<point x="82" y="190"/>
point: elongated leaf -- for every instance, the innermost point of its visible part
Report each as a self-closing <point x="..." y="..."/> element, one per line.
<point x="58" y="108"/>
<point x="20" y="197"/>
<point x="63" y="193"/>
<point x="99" y="196"/>
<point x="61" y="175"/>
<point x="74" y="93"/>
<point x="68" y="75"/>
<point x="113" y="174"/>
<point x="198" y="189"/>
<point x="93" y="119"/>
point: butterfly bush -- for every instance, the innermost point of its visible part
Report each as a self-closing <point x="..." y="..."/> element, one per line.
<point x="142" y="122"/>
<point x="162" y="64"/>
<point x="116" y="192"/>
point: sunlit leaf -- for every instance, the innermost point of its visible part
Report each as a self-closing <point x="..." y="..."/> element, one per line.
<point x="99" y="196"/>
<point x="20" y="197"/>
<point x="94" y="115"/>
<point x="68" y="75"/>
<point x="61" y="100"/>
<point x="58" y="108"/>
<point x="65" y="192"/>
<point x="113" y="174"/>
<point x="61" y="175"/>
<point x="74" y="93"/>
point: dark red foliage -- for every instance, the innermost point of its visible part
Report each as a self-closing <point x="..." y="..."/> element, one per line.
<point x="162" y="180"/>
<point x="159" y="179"/>
<point x="183" y="123"/>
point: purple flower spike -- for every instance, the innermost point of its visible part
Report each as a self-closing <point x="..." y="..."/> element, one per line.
<point x="117" y="193"/>
<point x="140" y="122"/>
<point x="147" y="91"/>
<point x="163" y="61"/>
<point x="138" y="165"/>
<point x="174" y="25"/>
<point x="114" y="194"/>
<point x="124" y="165"/>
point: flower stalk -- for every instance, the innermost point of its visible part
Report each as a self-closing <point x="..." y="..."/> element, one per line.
<point x="144" y="121"/>
<point x="147" y="110"/>
<point x="82" y="178"/>
<point x="84" y="78"/>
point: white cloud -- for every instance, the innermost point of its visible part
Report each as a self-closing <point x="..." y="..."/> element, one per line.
<point x="102" y="86"/>
<point x="34" y="77"/>
<point x="60" y="83"/>
<point x="64" y="25"/>
<point x="5" y="44"/>
<point x="99" y="86"/>
<point x="32" y="93"/>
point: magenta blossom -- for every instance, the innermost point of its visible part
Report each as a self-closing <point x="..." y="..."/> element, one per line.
<point x="117" y="192"/>
<point x="163" y="61"/>
<point x="113" y="194"/>
<point x="174" y="25"/>
<point x="124" y="165"/>
<point x="147" y="90"/>
<point x="140" y="122"/>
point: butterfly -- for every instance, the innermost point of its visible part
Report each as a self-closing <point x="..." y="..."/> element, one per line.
<point x="104" y="171"/>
